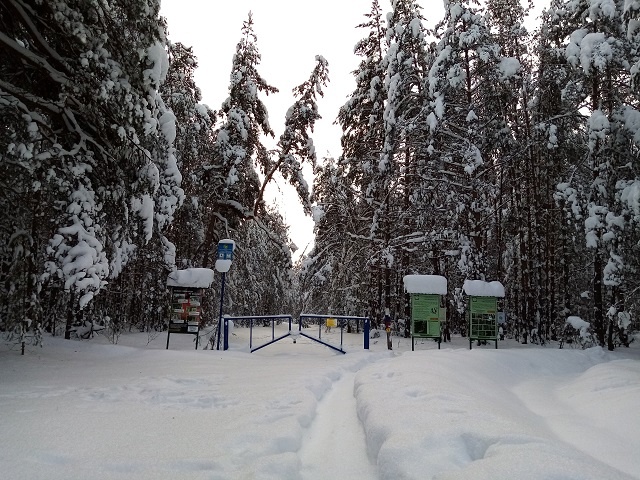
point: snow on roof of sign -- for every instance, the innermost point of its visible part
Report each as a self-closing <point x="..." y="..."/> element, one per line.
<point x="432" y="284"/>
<point x="191" y="277"/>
<point x="480" y="288"/>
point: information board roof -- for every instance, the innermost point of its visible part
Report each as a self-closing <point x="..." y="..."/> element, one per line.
<point x="480" y="288"/>
<point x="431" y="284"/>
<point x="191" y="277"/>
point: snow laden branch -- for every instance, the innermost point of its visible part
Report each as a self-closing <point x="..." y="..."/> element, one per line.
<point x="295" y="145"/>
<point x="89" y="136"/>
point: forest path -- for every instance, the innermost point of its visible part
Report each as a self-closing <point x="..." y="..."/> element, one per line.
<point x="335" y="445"/>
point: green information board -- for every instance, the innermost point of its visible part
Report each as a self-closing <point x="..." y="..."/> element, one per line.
<point x="484" y="305"/>
<point x="483" y="323"/>
<point x="425" y="315"/>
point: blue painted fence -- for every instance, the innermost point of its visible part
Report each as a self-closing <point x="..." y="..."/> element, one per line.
<point x="304" y="319"/>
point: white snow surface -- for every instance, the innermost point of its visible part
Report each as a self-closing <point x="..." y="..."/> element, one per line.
<point x="480" y="288"/>
<point x="191" y="277"/>
<point x="89" y="409"/>
<point x="431" y="284"/>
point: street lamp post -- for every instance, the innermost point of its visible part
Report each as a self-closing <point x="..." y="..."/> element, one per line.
<point x="223" y="264"/>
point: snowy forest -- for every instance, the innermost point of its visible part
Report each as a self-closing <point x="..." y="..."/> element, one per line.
<point x="478" y="149"/>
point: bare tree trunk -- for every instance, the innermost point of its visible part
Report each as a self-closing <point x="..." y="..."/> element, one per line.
<point x="598" y="313"/>
<point x="70" y="315"/>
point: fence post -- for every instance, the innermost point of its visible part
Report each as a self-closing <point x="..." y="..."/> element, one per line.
<point x="225" y="342"/>
<point x="221" y="306"/>
<point x="366" y="333"/>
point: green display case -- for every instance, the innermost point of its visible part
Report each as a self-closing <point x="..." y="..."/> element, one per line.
<point x="425" y="317"/>
<point x="483" y="324"/>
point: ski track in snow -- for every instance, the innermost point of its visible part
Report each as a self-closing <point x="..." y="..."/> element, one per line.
<point x="335" y="436"/>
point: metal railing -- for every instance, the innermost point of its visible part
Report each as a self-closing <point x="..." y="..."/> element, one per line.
<point x="304" y="318"/>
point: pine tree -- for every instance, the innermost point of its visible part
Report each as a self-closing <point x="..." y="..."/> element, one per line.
<point x="194" y="144"/>
<point x="260" y="282"/>
<point x="466" y="68"/>
<point x="333" y="269"/>
<point x="598" y="53"/>
<point x="231" y="178"/>
<point x="522" y="151"/>
<point x="362" y="122"/>
<point x="547" y="254"/>
<point x="79" y="88"/>
<point x="406" y="63"/>
<point x="295" y="145"/>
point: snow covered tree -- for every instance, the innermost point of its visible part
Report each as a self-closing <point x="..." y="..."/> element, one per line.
<point x="525" y="145"/>
<point x="461" y="80"/>
<point x="629" y="188"/>
<point x="407" y="63"/>
<point x="193" y="145"/>
<point x="231" y="176"/>
<point x="361" y="117"/>
<point x="88" y="132"/>
<point x="543" y="250"/>
<point x="381" y="138"/>
<point x="362" y="122"/>
<point x="295" y="145"/>
<point x="600" y="56"/>
<point x="260" y="281"/>
<point x="335" y="268"/>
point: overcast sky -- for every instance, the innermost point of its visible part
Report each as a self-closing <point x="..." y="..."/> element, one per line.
<point x="290" y="34"/>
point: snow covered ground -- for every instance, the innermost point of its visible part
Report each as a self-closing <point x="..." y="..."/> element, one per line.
<point x="91" y="410"/>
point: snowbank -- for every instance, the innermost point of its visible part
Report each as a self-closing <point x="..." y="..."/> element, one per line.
<point x="80" y="409"/>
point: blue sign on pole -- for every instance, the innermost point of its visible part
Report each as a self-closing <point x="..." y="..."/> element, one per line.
<point x="225" y="251"/>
